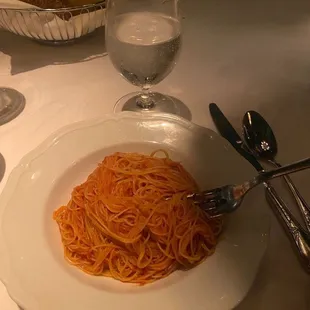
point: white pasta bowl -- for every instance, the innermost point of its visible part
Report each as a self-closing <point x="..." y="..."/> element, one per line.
<point x="32" y="265"/>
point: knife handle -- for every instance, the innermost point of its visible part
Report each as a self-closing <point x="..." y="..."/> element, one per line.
<point x="251" y="159"/>
<point x="299" y="237"/>
<point x="304" y="208"/>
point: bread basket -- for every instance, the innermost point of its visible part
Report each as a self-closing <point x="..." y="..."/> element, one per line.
<point x="51" y="26"/>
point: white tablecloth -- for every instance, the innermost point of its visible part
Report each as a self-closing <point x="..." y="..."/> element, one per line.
<point x="241" y="54"/>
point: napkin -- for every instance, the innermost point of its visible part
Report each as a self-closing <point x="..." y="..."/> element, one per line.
<point x="45" y="25"/>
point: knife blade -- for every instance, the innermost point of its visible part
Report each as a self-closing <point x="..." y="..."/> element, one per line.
<point x="299" y="237"/>
<point x="228" y="132"/>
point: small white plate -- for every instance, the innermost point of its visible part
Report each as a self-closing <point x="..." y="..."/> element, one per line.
<point x="31" y="256"/>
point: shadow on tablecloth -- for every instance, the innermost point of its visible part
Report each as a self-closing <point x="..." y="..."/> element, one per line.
<point x="27" y="55"/>
<point x="2" y="166"/>
<point x="263" y="13"/>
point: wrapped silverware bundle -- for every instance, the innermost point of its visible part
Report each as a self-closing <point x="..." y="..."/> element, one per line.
<point x="260" y="144"/>
<point x="52" y="22"/>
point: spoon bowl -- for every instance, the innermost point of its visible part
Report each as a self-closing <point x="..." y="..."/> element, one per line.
<point x="259" y="136"/>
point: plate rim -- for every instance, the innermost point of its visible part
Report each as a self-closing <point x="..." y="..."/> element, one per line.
<point x="12" y="181"/>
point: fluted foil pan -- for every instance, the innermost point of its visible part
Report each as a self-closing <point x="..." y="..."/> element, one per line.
<point x="56" y="26"/>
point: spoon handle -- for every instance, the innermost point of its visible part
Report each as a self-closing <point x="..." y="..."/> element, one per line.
<point x="299" y="237"/>
<point x="302" y="204"/>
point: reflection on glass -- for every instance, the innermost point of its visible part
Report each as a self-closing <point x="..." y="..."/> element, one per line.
<point x="143" y="39"/>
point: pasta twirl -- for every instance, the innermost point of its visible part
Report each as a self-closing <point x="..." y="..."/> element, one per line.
<point x="119" y="222"/>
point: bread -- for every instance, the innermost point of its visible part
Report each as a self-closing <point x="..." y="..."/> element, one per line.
<point x="81" y="2"/>
<point x="58" y="4"/>
<point x="49" y="4"/>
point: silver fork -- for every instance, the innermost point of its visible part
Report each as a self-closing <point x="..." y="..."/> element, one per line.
<point x="228" y="198"/>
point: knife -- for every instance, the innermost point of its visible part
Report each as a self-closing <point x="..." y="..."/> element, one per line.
<point x="299" y="237"/>
<point x="230" y="134"/>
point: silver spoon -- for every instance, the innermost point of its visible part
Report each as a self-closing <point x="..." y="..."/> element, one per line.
<point x="261" y="140"/>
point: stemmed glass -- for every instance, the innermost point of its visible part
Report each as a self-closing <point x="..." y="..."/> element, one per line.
<point x="143" y="40"/>
<point x="12" y="103"/>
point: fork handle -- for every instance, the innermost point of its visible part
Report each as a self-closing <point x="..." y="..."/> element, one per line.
<point x="265" y="176"/>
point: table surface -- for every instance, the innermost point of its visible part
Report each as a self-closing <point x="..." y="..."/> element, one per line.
<point x="244" y="55"/>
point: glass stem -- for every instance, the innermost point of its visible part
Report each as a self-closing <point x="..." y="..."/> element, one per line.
<point x="145" y="100"/>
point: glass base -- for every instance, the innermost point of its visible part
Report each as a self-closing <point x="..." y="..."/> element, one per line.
<point x="12" y="103"/>
<point x="162" y="104"/>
